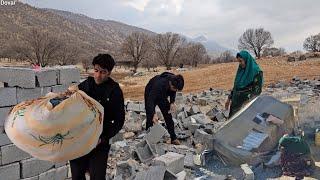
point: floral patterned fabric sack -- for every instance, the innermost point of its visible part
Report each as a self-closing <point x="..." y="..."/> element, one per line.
<point x="57" y="127"/>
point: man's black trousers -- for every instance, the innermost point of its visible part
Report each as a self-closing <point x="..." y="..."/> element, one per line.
<point x="95" y="163"/>
<point x="167" y="118"/>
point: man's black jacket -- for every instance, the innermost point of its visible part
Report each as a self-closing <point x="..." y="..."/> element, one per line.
<point x="110" y="96"/>
<point x="157" y="92"/>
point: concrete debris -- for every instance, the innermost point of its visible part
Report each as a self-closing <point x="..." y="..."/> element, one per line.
<point x="200" y="118"/>
<point x="209" y="140"/>
<point x="248" y="173"/>
<point x="201" y="137"/>
<point x="128" y="135"/>
<point x="126" y="168"/>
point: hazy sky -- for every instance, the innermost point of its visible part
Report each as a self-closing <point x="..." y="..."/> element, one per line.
<point x="289" y="21"/>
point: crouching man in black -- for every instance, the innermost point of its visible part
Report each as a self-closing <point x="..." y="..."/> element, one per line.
<point x="157" y="91"/>
<point x="108" y="93"/>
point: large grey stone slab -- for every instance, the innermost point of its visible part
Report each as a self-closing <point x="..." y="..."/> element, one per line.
<point x="11" y="153"/>
<point x="8" y="96"/>
<point x="46" y="77"/>
<point x="237" y="128"/>
<point x="10" y="172"/>
<point x="174" y="162"/>
<point x="68" y="75"/>
<point x="21" y="77"/>
<point x="33" y="167"/>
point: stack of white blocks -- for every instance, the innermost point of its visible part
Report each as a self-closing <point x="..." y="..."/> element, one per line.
<point x="17" y="85"/>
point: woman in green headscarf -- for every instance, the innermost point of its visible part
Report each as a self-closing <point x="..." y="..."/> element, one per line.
<point x="247" y="84"/>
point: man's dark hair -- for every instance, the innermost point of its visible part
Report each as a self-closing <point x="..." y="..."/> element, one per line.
<point x="178" y="82"/>
<point x="105" y="61"/>
<point x="238" y="55"/>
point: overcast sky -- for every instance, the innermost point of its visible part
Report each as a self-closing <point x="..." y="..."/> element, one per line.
<point x="289" y="21"/>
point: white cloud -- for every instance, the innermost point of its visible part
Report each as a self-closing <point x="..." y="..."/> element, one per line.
<point x="137" y="4"/>
<point x="178" y="5"/>
<point x="156" y="6"/>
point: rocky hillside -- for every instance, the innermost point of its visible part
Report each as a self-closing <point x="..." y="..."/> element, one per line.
<point x="93" y="35"/>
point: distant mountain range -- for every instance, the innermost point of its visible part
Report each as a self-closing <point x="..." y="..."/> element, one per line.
<point x="213" y="48"/>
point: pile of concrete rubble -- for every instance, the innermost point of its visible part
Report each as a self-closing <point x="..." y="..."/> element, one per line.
<point x="213" y="146"/>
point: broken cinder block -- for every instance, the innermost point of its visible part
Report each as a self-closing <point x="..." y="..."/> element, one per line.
<point x="174" y="162"/>
<point x="144" y="151"/>
<point x="156" y="132"/>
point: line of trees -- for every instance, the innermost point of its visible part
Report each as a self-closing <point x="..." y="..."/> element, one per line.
<point x="167" y="49"/>
<point x="259" y="42"/>
<point x="43" y="48"/>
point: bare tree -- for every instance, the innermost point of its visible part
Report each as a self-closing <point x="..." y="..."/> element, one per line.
<point x="255" y="40"/>
<point x="150" y="62"/>
<point x="67" y="54"/>
<point x="38" y="47"/>
<point x="226" y="56"/>
<point x="86" y="64"/>
<point x="207" y="59"/>
<point x="136" y="46"/>
<point x="166" y="47"/>
<point x="195" y="53"/>
<point x="312" y="43"/>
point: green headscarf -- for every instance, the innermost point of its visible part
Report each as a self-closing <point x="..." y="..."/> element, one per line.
<point x="246" y="76"/>
<point x="294" y="144"/>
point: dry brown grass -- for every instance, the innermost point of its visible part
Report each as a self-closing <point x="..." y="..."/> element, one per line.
<point x="221" y="76"/>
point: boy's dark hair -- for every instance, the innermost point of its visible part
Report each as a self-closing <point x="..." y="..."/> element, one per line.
<point x="238" y="55"/>
<point x="177" y="81"/>
<point x="105" y="61"/>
